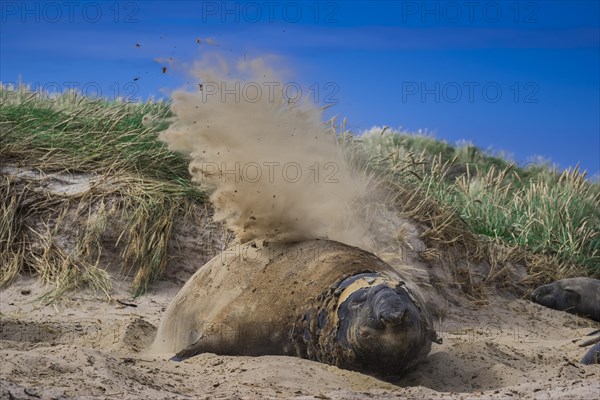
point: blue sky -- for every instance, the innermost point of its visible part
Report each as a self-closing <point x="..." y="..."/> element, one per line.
<point x="515" y="76"/>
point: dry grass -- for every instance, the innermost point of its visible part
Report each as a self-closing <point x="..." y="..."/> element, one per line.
<point x="60" y="236"/>
<point x="27" y="245"/>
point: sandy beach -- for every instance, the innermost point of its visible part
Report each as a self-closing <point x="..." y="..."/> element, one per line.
<point x="87" y="347"/>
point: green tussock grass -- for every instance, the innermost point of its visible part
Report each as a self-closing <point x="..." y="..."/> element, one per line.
<point x="476" y="206"/>
<point x="116" y="144"/>
<point x="550" y="218"/>
<point x="89" y="134"/>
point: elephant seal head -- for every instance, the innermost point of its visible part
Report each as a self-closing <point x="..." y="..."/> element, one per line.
<point x="382" y="326"/>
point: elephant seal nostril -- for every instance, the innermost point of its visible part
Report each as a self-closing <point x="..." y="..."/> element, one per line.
<point x="394" y="318"/>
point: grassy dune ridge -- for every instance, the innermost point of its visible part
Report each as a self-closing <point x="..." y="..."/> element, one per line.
<point x="483" y="206"/>
<point x="546" y="212"/>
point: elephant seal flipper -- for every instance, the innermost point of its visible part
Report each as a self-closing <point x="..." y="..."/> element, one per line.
<point x="592" y="340"/>
<point x="202" y="346"/>
<point x="592" y="356"/>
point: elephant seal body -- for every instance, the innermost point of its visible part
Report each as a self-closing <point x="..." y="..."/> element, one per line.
<point x="574" y="295"/>
<point x="316" y="299"/>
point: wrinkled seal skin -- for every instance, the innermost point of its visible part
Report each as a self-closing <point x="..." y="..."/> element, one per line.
<point x="316" y="299"/>
<point x="574" y="295"/>
<point x="382" y="327"/>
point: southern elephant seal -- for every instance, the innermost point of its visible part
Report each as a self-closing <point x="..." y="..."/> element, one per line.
<point x="316" y="299"/>
<point x="574" y="295"/>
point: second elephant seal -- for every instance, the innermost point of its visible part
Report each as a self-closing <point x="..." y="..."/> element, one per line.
<point x="574" y="295"/>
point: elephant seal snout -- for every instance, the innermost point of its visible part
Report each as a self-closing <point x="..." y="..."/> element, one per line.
<point x="574" y="295"/>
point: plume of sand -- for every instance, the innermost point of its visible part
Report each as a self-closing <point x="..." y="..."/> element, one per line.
<point x="277" y="169"/>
